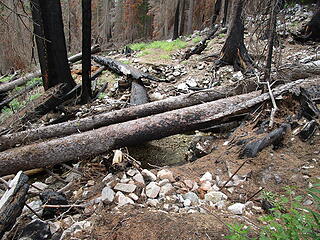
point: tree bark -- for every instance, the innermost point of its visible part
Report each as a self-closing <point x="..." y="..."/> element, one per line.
<point x="234" y="51"/>
<point x="127" y="114"/>
<point x="139" y="93"/>
<point x="95" y="142"/>
<point x="190" y="16"/>
<point x="216" y="11"/>
<point x="86" y="94"/>
<point x="123" y="69"/>
<point x="176" y="22"/>
<point x="12" y="202"/>
<point x="49" y="28"/>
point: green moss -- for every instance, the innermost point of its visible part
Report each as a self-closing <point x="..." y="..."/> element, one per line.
<point x="5" y="79"/>
<point x="164" y="45"/>
<point x="196" y="39"/>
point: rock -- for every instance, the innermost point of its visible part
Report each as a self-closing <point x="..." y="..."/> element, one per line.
<point x="152" y="190"/>
<point x="132" y="172"/>
<point x="133" y="196"/>
<point x="36" y="230"/>
<point x="139" y="178"/>
<point x="191" y="83"/>
<point x="182" y="87"/>
<point x="37" y="187"/>
<point x="237" y="208"/>
<point x="166" y="174"/>
<point x="308" y="202"/>
<point x="123" y="200"/>
<point x="35" y="206"/>
<point x="76" y="227"/>
<point x="206" y="186"/>
<point x="166" y="189"/>
<point x="53" y="198"/>
<point x="206" y="177"/>
<point x="238" y="76"/>
<point x="176" y="73"/>
<point x="148" y="175"/>
<point x="163" y="182"/>
<point x="187" y="203"/>
<point x="152" y="202"/>
<point x="189" y="183"/>
<point x="200" y="67"/>
<point x="156" y="96"/>
<point x="107" y="195"/>
<point x="215" y="196"/>
<point x="124" y="187"/>
<point x="192" y="197"/>
<point x="107" y="178"/>
<point x="221" y="204"/>
<point x="90" y="183"/>
<point x="72" y="177"/>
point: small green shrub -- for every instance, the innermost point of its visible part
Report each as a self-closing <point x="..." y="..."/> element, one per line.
<point x="289" y="219"/>
<point x="102" y="95"/>
<point x="164" y="45"/>
<point x="5" y="79"/>
<point x="196" y="39"/>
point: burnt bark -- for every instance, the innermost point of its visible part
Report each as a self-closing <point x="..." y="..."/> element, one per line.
<point x="95" y="142"/>
<point x="176" y="22"/>
<point x="12" y="202"/>
<point x="123" y="69"/>
<point x="86" y="94"/>
<point x="234" y="51"/>
<point x="52" y="51"/>
<point x="139" y="93"/>
<point x="216" y="11"/>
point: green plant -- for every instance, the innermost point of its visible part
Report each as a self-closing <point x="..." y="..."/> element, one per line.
<point x="34" y="96"/>
<point x="5" y="79"/>
<point x="221" y="35"/>
<point x="102" y="95"/>
<point x="196" y="39"/>
<point x="289" y="219"/>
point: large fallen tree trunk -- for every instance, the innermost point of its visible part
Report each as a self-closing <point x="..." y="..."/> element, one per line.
<point x="23" y="80"/>
<point x="123" y="69"/>
<point x="95" y="142"/>
<point x="139" y="93"/>
<point x="104" y="119"/>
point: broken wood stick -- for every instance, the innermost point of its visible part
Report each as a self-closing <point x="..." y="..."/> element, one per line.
<point x="23" y="80"/>
<point x="12" y="202"/>
<point x="99" y="141"/>
<point x="139" y="93"/>
<point x="123" y="69"/>
<point x="104" y="119"/>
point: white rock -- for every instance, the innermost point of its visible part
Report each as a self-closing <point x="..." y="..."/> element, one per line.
<point x="132" y="172"/>
<point x="133" y="196"/>
<point x="107" y="178"/>
<point x="237" y="208"/>
<point x="189" y="183"/>
<point x="152" y="190"/>
<point x="221" y="204"/>
<point x="127" y="188"/>
<point x="206" y="177"/>
<point x="176" y="73"/>
<point x="205" y="186"/>
<point x="123" y="200"/>
<point x="166" y="174"/>
<point x="148" y="175"/>
<point x="166" y="189"/>
<point x="72" y="177"/>
<point x="192" y="197"/>
<point x="38" y="187"/>
<point x="163" y="182"/>
<point x="152" y="202"/>
<point x="107" y="195"/>
<point x="191" y="83"/>
<point x="238" y="76"/>
<point x="215" y="196"/>
<point x="187" y="203"/>
<point x="139" y="178"/>
<point x="182" y="86"/>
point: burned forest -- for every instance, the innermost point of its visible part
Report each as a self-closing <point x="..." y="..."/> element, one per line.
<point x="160" y="119"/>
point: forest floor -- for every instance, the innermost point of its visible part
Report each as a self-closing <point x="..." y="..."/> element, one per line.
<point x="284" y="170"/>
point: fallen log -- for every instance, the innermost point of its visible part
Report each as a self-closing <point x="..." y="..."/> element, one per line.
<point x="139" y="93"/>
<point x="77" y="57"/>
<point x="23" y="80"/>
<point x="104" y="119"/>
<point x="95" y="142"/>
<point x="12" y="202"/>
<point x="123" y="69"/>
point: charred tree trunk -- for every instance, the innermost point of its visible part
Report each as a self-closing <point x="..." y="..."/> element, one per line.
<point x="234" y="52"/>
<point x="86" y="94"/>
<point x="176" y="22"/>
<point x="225" y="13"/>
<point x="139" y="93"/>
<point x="216" y="11"/>
<point x="52" y="49"/>
<point x="99" y="141"/>
<point x="190" y="17"/>
<point x="182" y="17"/>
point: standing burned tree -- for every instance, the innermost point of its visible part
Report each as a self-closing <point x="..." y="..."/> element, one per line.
<point x="50" y="39"/>
<point x="234" y="51"/>
<point x="86" y="94"/>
